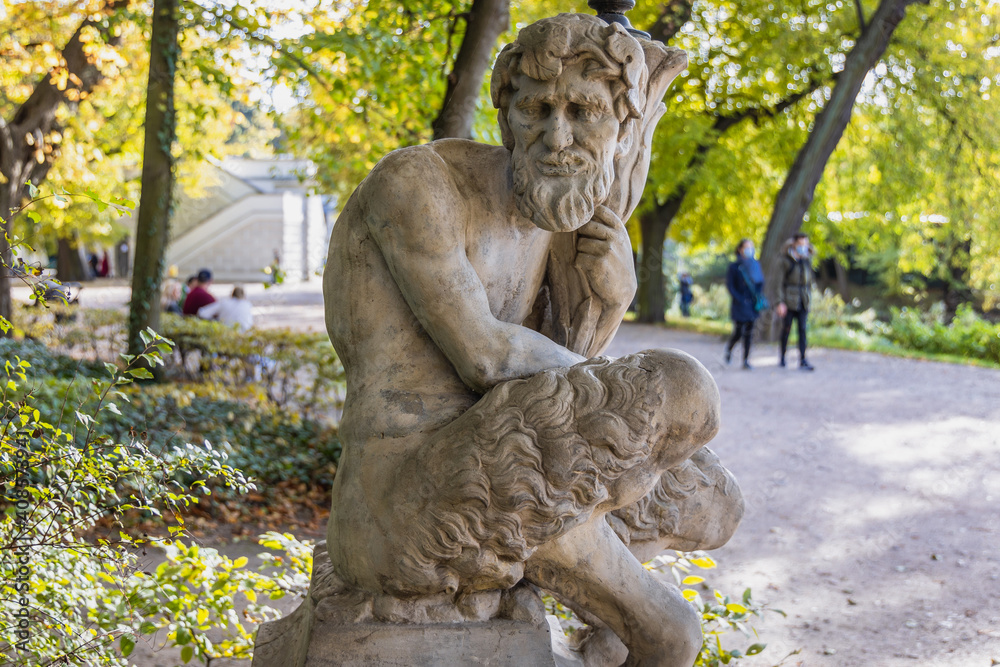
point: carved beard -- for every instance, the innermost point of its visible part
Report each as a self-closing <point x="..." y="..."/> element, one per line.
<point x="565" y="202"/>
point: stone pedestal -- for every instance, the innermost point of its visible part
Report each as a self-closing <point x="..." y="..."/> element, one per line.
<point x="337" y="625"/>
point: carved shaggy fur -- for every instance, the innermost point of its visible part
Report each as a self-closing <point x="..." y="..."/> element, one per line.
<point x="527" y="463"/>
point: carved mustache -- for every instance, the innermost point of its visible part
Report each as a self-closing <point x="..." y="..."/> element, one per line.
<point x="562" y="163"/>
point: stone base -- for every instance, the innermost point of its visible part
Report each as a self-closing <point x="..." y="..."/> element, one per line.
<point x="495" y="643"/>
<point x="336" y="625"/>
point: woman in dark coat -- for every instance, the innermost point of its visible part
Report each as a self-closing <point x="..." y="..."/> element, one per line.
<point x="744" y="280"/>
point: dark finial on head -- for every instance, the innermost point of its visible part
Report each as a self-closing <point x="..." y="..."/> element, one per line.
<point x="613" y="11"/>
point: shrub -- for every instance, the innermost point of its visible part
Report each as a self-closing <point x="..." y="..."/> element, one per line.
<point x="967" y="336"/>
<point x="710" y="304"/>
<point x="56" y="485"/>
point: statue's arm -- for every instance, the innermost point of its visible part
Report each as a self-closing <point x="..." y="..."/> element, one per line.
<point x="590" y="281"/>
<point x="417" y="218"/>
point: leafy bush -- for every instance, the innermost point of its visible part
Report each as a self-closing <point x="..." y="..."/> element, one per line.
<point x="69" y="595"/>
<point x="46" y="364"/>
<point x="720" y="614"/>
<point x="967" y="336"/>
<point x="710" y="304"/>
<point x="57" y="484"/>
<point x="294" y="369"/>
<point x="268" y="443"/>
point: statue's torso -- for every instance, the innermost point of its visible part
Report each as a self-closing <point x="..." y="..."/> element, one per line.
<point x="399" y="382"/>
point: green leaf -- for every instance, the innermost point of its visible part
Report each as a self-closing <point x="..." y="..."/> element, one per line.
<point x="141" y="373"/>
<point x="32" y="190"/>
<point x="127" y="644"/>
<point x="187" y="653"/>
<point x="754" y="649"/>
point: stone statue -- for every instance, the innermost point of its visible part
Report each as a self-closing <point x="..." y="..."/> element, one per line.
<point x="468" y="289"/>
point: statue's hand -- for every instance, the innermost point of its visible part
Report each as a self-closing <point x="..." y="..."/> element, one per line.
<point x="604" y="256"/>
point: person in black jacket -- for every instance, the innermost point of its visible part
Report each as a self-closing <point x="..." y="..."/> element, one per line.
<point x="794" y="294"/>
<point x="745" y="282"/>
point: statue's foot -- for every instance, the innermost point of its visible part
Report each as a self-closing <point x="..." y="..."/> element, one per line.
<point x="599" y="646"/>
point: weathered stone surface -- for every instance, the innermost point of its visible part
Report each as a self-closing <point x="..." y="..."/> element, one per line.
<point x="468" y="290"/>
<point x="340" y="625"/>
<point x="494" y="643"/>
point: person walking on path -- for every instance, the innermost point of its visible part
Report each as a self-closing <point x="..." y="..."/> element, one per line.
<point x="687" y="296"/>
<point x="199" y="296"/>
<point x="795" y="292"/>
<point x="745" y="282"/>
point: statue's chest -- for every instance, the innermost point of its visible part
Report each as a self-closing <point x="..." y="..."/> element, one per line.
<point x="510" y="263"/>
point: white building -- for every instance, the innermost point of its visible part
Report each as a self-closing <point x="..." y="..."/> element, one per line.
<point x="257" y="210"/>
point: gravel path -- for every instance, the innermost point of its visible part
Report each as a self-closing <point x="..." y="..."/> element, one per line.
<point x="872" y="487"/>
<point x="872" y="491"/>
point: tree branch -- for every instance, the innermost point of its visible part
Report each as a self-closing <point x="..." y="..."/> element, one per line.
<point x="861" y="16"/>
<point x="722" y="123"/>
<point x="673" y="15"/>
<point x="487" y="19"/>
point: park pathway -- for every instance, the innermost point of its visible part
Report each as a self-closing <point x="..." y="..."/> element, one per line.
<point x="873" y="503"/>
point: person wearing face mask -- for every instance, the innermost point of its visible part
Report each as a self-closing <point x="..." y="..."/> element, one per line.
<point x="794" y="293"/>
<point x="745" y="283"/>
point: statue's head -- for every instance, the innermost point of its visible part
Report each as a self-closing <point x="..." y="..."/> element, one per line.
<point x="569" y="90"/>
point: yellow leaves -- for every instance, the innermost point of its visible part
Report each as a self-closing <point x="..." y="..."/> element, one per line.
<point x="703" y="562"/>
<point x="689" y="594"/>
<point x="691" y="580"/>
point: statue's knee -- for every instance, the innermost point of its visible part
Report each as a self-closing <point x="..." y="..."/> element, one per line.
<point x="683" y="636"/>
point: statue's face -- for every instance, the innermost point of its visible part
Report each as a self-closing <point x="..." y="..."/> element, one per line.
<point x="565" y="135"/>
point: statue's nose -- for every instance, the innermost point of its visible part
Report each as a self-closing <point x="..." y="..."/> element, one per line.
<point x="558" y="133"/>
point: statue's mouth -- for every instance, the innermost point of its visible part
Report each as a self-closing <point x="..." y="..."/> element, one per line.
<point x="559" y="167"/>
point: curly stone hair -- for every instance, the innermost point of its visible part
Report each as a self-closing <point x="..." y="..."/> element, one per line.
<point x="543" y="49"/>
<point x="532" y="460"/>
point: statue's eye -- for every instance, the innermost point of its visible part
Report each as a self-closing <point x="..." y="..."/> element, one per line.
<point x="534" y="111"/>
<point x="586" y="114"/>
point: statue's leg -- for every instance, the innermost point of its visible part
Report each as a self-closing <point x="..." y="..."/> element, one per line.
<point x="590" y="568"/>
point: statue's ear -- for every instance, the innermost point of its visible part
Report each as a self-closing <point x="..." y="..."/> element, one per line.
<point x="505" y="134"/>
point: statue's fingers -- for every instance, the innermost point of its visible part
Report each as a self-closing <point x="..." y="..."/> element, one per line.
<point x="593" y="247"/>
<point x="595" y="230"/>
<point x="606" y="216"/>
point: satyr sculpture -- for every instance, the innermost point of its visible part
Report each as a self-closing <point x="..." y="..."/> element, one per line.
<point x="468" y="290"/>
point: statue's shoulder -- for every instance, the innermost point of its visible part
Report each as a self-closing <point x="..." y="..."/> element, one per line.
<point x="440" y="165"/>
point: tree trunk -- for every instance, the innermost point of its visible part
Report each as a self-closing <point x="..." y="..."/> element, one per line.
<point x="796" y="195"/>
<point x="69" y="266"/>
<point x="485" y="21"/>
<point x="843" y="285"/>
<point x="156" y="199"/>
<point x="653" y="225"/>
<point x="956" y="279"/>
